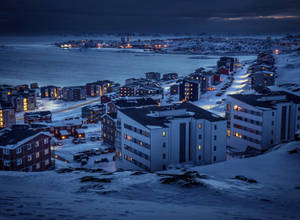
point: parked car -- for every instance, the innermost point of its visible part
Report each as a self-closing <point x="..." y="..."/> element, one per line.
<point x="96" y="151"/>
<point x="60" y="143"/>
<point x="84" y="126"/>
<point x="84" y="161"/>
<point x="99" y="138"/>
<point x="102" y="160"/>
<point x="82" y="140"/>
<point x="93" y="138"/>
<point x="77" y="157"/>
<point x="75" y="141"/>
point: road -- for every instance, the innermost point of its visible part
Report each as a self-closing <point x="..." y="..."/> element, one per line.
<point x="81" y="104"/>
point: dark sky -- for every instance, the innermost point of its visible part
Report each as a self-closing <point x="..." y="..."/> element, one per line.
<point x="166" y="16"/>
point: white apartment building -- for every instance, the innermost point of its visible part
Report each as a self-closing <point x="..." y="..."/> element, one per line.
<point x="153" y="138"/>
<point x="261" y="121"/>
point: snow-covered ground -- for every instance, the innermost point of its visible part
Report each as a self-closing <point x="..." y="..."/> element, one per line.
<point x="122" y="195"/>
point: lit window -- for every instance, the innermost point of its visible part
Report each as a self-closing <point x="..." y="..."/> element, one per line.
<point x="164" y="133"/>
<point x="200" y="125"/>
<point x="37" y="166"/>
<point x="228" y="132"/>
<point x="199" y="147"/>
<point x="29" y="158"/>
<point x="46" y="141"/>
<point x="37" y="144"/>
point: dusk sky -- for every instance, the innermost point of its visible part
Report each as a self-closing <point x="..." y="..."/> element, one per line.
<point x="166" y="16"/>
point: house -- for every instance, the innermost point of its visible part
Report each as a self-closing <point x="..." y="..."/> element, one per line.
<point x="152" y="138"/>
<point x="51" y="92"/>
<point x="63" y="134"/>
<point x="109" y="128"/>
<point x="261" y="121"/>
<point x="7" y="115"/>
<point x="153" y="76"/>
<point x="79" y="133"/>
<point x="25" y="149"/>
<point x="170" y="76"/>
<point x="93" y="113"/>
<point x="74" y="93"/>
<point x="41" y="116"/>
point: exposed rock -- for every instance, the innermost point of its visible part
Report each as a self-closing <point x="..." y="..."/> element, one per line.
<point x="94" y="179"/>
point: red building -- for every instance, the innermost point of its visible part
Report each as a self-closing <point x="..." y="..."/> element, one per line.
<point x="43" y="116"/>
<point x="25" y="149"/>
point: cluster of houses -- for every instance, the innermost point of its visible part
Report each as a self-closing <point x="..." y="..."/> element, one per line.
<point x="262" y="72"/>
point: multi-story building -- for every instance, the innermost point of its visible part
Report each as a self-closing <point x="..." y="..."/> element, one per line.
<point x="128" y="90"/>
<point x="109" y="128"/>
<point x="74" y="93"/>
<point x="51" y="92"/>
<point x="93" y="113"/>
<point x="20" y="97"/>
<point x="170" y="76"/>
<point x="149" y="91"/>
<point x="7" y="115"/>
<point x="189" y="90"/>
<point x="174" y="89"/>
<point x="260" y="80"/>
<point x="94" y="89"/>
<point x="153" y="138"/>
<point x="24" y="149"/>
<point x="41" y="116"/>
<point x="113" y="107"/>
<point x="261" y="121"/>
<point x="153" y="76"/>
<point x="226" y="65"/>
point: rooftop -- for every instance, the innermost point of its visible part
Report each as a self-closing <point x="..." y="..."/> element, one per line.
<point x="126" y="103"/>
<point x="161" y="115"/>
<point x="11" y="137"/>
<point x="267" y="100"/>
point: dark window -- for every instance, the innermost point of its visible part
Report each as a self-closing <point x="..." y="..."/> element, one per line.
<point x="164" y="144"/>
<point x="199" y="157"/>
<point x="215" y="137"/>
<point x="272" y="122"/>
<point x="164" y="167"/>
<point x="273" y="113"/>
<point x="164" y="156"/>
<point x="215" y="158"/>
<point x="215" y="127"/>
<point x="200" y="136"/>
<point x="215" y="148"/>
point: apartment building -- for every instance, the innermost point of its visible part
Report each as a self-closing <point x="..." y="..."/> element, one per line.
<point x="41" y="116"/>
<point x="7" y="115"/>
<point x="261" y="121"/>
<point x="153" y="138"/>
<point x="74" y="93"/>
<point x="24" y="149"/>
<point x="51" y="92"/>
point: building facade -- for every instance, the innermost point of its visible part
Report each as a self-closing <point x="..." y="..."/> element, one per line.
<point x="23" y="149"/>
<point x="261" y="121"/>
<point x="155" y="137"/>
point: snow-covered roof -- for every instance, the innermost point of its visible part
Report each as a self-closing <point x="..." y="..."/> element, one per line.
<point x="64" y="132"/>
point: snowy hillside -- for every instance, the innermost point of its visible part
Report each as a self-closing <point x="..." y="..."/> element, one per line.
<point x="263" y="187"/>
